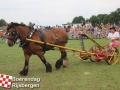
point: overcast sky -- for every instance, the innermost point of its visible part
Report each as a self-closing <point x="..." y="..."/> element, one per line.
<point x="52" y="12"/>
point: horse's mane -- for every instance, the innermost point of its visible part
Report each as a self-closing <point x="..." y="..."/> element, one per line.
<point x="13" y="24"/>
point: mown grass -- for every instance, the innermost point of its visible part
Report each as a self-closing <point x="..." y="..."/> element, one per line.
<point x="79" y="75"/>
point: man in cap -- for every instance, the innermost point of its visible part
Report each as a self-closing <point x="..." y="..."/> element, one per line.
<point x="113" y="36"/>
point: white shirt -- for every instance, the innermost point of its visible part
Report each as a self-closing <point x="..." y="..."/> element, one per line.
<point x="113" y="36"/>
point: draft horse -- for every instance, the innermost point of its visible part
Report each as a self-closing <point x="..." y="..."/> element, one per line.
<point x="55" y="36"/>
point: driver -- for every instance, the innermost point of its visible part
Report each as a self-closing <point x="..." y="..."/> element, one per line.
<point x="113" y="36"/>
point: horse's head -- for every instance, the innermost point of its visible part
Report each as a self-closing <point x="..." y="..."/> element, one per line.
<point x="12" y="34"/>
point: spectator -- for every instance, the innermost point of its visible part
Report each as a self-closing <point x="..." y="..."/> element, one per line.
<point x="114" y="24"/>
<point x="72" y="29"/>
<point x="95" y="33"/>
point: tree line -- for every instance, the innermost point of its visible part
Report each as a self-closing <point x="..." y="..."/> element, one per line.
<point x="2" y="22"/>
<point x="113" y="17"/>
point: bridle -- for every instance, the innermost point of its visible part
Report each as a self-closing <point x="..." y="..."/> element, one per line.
<point x="14" y="34"/>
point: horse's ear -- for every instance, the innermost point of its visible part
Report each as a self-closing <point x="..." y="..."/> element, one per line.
<point x="11" y="22"/>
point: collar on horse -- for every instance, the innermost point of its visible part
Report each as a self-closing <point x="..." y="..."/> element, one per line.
<point x="29" y="35"/>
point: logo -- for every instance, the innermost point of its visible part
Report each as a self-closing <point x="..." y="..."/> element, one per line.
<point x="13" y="82"/>
<point x="5" y="81"/>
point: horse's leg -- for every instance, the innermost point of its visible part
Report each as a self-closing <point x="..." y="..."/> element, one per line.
<point x="48" y="66"/>
<point x="63" y="60"/>
<point x="25" y="69"/>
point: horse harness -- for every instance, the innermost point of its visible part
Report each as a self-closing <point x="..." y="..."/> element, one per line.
<point x="41" y="36"/>
<point x="43" y="39"/>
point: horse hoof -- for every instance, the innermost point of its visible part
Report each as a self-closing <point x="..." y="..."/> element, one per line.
<point x="58" y="64"/>
<point x="22" y="73"/>
<point x="48" y="68"/>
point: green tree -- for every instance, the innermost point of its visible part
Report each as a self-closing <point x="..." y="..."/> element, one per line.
<point x="101" y="18"/>
<point x="94" y="20"/>
<point x="78" y="19"/>
<point x="22" y="23"/>
<point x="106" y="19"/>
<point x="115" y="16"/>
<point x="2" y="22"/>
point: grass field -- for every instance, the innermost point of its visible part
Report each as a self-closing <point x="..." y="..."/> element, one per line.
<point x="79" y="75"/>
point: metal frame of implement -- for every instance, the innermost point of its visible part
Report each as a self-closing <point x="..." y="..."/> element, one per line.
<point x="75" y="50"/>
<point x="101" y="52"/>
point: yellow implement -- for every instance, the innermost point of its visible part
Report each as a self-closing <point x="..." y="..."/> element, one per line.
<point x="40" y="42"/>
<point x="94" y="54"/>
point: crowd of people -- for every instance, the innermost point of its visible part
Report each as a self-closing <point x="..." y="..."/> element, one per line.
<point x="94" y="31"/>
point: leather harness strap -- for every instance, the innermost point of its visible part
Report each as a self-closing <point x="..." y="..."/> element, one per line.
<point x="43" y="39"/>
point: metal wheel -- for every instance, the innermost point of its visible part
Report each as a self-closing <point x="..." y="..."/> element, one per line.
<point x="94" y="49"/>
<point x="112" y="56"/>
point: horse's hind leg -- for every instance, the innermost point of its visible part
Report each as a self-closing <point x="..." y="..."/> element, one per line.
<point x="25" y="69"/>
<point x="48" y="66"/>
<point x="63" y="60"/>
